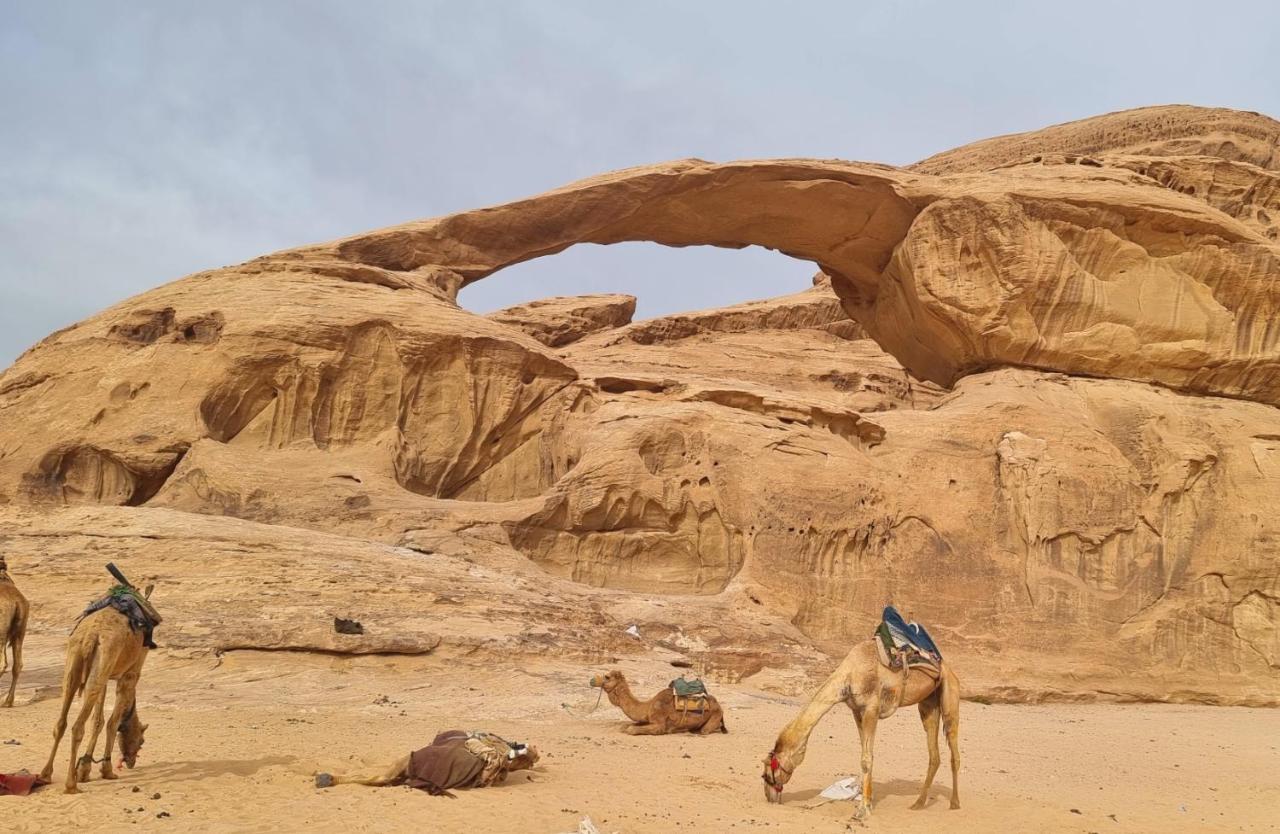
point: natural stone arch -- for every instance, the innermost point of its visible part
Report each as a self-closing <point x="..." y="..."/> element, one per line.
<point x="1084" y="271"/>
<point x="845" y="217"/>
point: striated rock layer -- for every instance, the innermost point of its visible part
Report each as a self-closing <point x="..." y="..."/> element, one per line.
<point x="1051" y="433"/>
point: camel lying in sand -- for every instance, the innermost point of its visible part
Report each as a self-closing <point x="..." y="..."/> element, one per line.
<point x="873" y="691"/>
<point x="663" y="713"/>
<point x="14" y="612"/>
<point x="454" y="759"/>
<point x="102" y="648"/>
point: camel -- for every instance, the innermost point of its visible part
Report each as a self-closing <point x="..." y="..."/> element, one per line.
<point x="102" y="648"/>
<point x="487" y="760"/>
<point x="660" y="714"/>
<point x="873" y="691"/>
<point x="14" y="612"/>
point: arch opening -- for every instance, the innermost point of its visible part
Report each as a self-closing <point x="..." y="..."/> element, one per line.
<point x="665" y="280"/>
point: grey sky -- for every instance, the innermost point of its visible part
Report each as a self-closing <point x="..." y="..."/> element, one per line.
<point x="141" y="141"/>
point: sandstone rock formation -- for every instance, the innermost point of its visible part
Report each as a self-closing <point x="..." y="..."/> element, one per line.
<point x="558" y="321"/>
<point x="1084" y="510"/>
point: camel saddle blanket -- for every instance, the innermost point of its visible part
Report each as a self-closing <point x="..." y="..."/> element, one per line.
<point x="900" y="644"/>
<point x="458" y="759"/>
<point x="690" y="695"/>
<point x="130" y="603"/>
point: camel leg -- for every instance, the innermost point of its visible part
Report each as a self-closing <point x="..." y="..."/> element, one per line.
<point x="929" y="714"/>
<point x="867" y="736"/>
<point x="70" y="682"/>
<point x="387" y="776"/>
<point x="126" y="692"/>
<point x="714" y="724"/>
<point x="17" y="668"/>
<point x="645" y="730"/>
<point x="85" y="764"/>
<point x="94" y="693"/>
<point x="950" y="709"/>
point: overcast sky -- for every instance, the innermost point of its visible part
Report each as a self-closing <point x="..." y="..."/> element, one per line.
<point x="141" y="141"/>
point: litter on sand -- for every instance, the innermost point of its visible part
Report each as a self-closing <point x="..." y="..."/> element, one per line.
<point x="850" y="788"/>
<point x="634" y="631"/>
<point x="19" y="784"/>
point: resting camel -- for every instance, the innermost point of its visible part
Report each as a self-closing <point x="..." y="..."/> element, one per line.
<point x="873" y="691"/>
<point x="660" y="714"/>
<point x="454" y="759"/>
<point x="14" y="611"/>
<point x="102" y="648"/>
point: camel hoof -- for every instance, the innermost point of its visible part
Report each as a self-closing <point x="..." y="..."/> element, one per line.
<point x="918" y="805"/>
<point x="71" y="789"/>
<point x="862" y="812"/>
<point x="110" y="774"/>
<point x="955" y="806"/>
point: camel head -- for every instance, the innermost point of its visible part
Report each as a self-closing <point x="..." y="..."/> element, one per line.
<point x="526" y="757"/>
<point x="131" y="735"/>
<point x="778" y="767"/>
<point x="609" y="681"/>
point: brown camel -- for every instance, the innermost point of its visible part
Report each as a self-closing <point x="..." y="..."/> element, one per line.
<point x="14" y="611"/>
<point x="873" y="691"/>
<point x="101" y="649"/>
<point x="661" y="714"/>
<point x="455" y="758"/>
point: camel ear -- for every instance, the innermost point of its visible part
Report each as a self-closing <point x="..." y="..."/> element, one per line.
<point x="144" y="727"/>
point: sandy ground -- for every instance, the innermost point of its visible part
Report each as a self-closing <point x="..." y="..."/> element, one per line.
<point x="234" y="741"/>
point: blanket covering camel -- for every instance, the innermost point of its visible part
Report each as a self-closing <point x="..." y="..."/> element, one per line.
<point x="14" y="612"/>
<point x="666" y="712"/>
<point x="104" y="646"/>
<point x="874" y="690"/>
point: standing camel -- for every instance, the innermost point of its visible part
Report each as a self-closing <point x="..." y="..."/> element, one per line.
<point x="102" y="648"/>
<point x="873" y="691"/>
<point x="14" y="611"/>
<point x="661" y="714"/>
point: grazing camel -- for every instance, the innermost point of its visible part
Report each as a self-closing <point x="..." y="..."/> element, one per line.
<point x="661" y="714"/>
<point x="102" y="648"/>
<point x="873" y="691"/>
<point x="14" y="611"/>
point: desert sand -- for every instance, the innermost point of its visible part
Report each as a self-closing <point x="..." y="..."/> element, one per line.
<point x="233" y="743"/>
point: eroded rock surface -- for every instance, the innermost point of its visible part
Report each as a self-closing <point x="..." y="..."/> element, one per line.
<point x="558" y="321"/>
<point x="1085" y="510"/>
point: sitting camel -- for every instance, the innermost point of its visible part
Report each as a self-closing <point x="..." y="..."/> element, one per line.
<point x="662" y="713"/>
<point x="103" y="647"/>
<point x="874" y="691"/>
<point x="14" y="612"/>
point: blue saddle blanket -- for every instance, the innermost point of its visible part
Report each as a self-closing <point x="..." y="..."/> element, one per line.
<point x="912" y="634"/>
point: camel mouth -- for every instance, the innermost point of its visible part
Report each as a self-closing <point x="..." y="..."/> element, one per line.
<point x="596" y="682"/>
<point x="773" y="794"/>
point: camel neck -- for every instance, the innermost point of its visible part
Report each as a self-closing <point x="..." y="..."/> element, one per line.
<point x="795" y="736"/>
<point x="622" y="698"/>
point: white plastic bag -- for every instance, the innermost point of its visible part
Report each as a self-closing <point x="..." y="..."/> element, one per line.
<point x="850" y="788"/>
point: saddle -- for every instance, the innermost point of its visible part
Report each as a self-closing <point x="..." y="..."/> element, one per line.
<point x="690" y="695"/>
<point x="905" y="646"/>
<point x="130" y="602"/>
